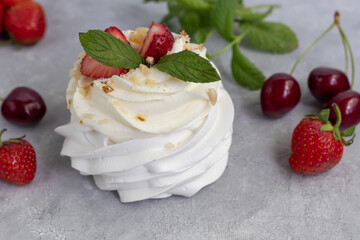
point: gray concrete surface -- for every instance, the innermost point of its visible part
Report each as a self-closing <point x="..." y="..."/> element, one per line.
<point x="258" y="197"/>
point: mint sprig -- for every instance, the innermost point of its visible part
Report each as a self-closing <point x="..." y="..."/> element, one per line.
<point x="189" y="67"/>
<point x="111" y="51"/>
<point x="234" y="22"/>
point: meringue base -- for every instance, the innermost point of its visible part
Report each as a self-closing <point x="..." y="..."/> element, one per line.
<point x="154" y="167"/>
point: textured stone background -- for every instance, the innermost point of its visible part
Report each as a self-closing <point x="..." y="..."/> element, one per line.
<point x="258" y="197"/>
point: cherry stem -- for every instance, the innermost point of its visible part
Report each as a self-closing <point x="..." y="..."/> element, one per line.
<point x="310" y="47"/>
<point x="346" y="55"/>
<point x="346" y="41"/>
<point x="235" y="41"/>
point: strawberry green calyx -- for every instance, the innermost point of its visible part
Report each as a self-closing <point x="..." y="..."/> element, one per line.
<point x="324" y="116"/>
<point x="11" y="140"/>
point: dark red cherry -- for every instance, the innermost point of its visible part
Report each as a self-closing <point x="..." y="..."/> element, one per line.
<point x="23" y="106"/>
<point x="324" y="83"/>
<point x="349" y="105"/>
<point x="279" y="94"/>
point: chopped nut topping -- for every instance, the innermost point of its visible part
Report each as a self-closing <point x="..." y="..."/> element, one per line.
<point x="92" y="84"/>
<point x="169" y="145"/>
<point x="141" y="117"/>
<point x="70" y="101"/>
<point x="212" y="96"/>
<point x="81" y="122"/>
<point x="183" y="32"/>
<point x="88" y="115"/>
<point x="150" y="60"/>
<point x="104" y="121"/>
<point x="201" y="46"/>
<point x="85" y="92"/>
<point x="144" y="69"/>
<point x="188" y="47"/>
<point x="107" y="89"/>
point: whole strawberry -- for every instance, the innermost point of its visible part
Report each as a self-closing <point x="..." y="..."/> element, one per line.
<point x="17" y="161"/>
<point x="25" y="22"/>
<point x="316" y="144"/>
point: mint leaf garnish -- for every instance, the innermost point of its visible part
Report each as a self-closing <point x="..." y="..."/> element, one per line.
<point x="195" y="5"/>
<point x="189" y="67"/>
<point x="245" y="72"/>
<point x="109" y="50"/>
<point x="202" y="35"/>
<point x="190" y="21"/>
<point x="223" y="16"/>
<point x="249" y="15"/>
<point x="270" y="36"/>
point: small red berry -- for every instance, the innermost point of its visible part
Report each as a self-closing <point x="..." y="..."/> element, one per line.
<point x="25" y="22"/>
<point x="17" y="161"/>
<point x="316" y="144"/>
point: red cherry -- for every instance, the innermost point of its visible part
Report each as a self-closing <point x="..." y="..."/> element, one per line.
<point x="279" y="94"/>
<point x="324" y="83"/>
<point x="349" y="105"/>
<point x="23" y="106"/>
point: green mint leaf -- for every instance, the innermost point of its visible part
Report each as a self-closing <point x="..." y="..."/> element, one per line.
<point x="190" y="21"/>
<point x="174" y="7"/>
<point x="223" y="16"/>
<point x="348" y="132"/>
<point x="245" y="72"/>
<point x="189" y="67"/>
<point x="196" y="4"/>
<point x="145" y="1"/>
<point x="270" y="36"/>
<point x="248" y="15"/>
<point x="166" y="19"/>
<point x="110" y="51"/>
<point x="202" y="35"/>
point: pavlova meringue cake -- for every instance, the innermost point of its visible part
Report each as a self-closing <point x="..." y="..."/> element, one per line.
<point x="144" y="132"/>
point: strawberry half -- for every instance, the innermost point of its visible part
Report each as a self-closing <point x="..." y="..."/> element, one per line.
<point x="94" y="69"/>
<point x="117" y="33"/>
<point x="158" y="41"/>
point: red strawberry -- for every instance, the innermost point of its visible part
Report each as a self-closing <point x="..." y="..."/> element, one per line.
<point x="9" y="3"/>
<point x="2" y="11"/>
<point x="17" y="161"/>
<point x="158" y="41"/>
<point x="26" y="22"/>
<point x="92" y="68"/>
<point x="317" y="146"/>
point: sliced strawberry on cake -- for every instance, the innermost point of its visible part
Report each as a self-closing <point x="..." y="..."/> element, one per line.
<point x="158" y="41"/>
<point x="94" y="69"/>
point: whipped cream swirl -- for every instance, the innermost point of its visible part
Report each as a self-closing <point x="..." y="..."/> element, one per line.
<point x="147" y="134"/>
